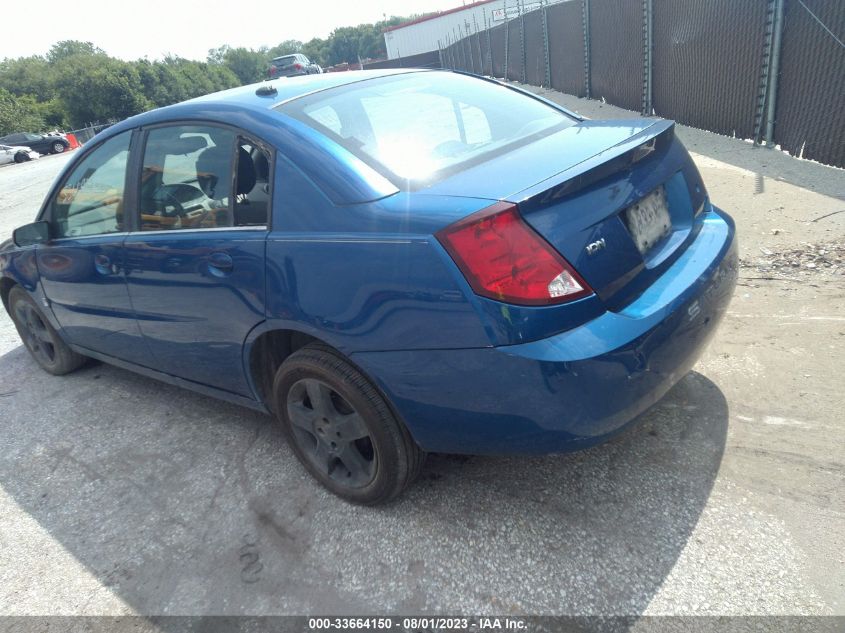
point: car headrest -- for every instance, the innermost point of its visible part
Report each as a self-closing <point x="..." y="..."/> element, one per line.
<point x="246" y="172"/>
<point x="214" y="168"/>
<point x="262" y="167"/>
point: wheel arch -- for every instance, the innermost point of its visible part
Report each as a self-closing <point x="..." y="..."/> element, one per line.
<point x="6" y="285"/>
<point x="266" y="354"/>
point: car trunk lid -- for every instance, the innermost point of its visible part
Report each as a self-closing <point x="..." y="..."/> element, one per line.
<point x="616" y="198"/>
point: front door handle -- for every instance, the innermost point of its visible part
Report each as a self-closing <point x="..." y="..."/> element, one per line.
<point x="220" y="264"/>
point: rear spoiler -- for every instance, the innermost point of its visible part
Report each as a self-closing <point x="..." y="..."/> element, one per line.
<point x="654" y="139"/>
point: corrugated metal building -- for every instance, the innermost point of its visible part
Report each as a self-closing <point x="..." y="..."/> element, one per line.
<point x="422" y="35"/>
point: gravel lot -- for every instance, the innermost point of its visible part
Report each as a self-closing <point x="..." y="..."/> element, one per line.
<point x="122" y="495"/>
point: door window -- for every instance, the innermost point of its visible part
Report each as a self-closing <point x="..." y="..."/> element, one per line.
<point x="90" y="202"/>
<point x="202" y="177"/>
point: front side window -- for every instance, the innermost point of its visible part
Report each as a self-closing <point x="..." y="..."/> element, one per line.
<point x="418" y="128"/>
<point x="202" y="177"/>
<point x="90" y="202"/>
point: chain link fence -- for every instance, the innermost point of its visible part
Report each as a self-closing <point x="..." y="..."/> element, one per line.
<point x="768" y="70"/>
<point x="85" y="134"/>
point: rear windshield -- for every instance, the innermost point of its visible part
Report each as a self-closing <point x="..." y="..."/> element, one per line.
<point x="419" y="128"/>
<point x="285" y="61"/>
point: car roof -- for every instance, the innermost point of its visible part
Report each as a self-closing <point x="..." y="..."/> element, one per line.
<point x="248" y="97"/>
<point x="293" y="87"/>
<point x="247" y="108"/>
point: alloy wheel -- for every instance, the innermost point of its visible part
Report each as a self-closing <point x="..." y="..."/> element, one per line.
<point x="331" y="433"/>
<point x="35" y="333"/>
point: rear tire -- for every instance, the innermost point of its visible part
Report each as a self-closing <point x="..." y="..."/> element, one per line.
<point x="58" y="148"/>
<point x="342" y="429"/>
<point x="43" y="342"/>
<point x="21" y="157"/>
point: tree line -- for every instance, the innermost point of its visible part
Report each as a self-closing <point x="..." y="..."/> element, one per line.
<point x="76" y="83"/>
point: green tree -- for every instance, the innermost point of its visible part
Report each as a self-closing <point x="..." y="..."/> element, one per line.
<point x="285" y="48"/>
<point x="69" y="48"/>
<point x="28" y="76"/>
<point x="316" y="50"/>
<point x="76" y="82"/>
<point x="19" y="114"/>
<point x="248" y="65"/>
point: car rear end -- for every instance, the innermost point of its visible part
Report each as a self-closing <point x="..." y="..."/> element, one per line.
<point x="287" y="66"/>
<point x="598" y="269"/>
<point x="599" y="295"/>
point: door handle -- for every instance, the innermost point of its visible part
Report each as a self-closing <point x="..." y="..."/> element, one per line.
<point x="220" y="264"/>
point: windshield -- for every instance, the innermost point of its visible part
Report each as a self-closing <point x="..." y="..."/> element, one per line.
<point x="285" y="61"/>
<point x="419" y="128"/>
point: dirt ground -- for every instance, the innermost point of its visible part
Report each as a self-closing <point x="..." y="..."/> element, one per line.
<point x="122" y="495"/>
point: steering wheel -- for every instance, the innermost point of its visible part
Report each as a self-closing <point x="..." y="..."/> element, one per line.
<point x="167" y="202"/>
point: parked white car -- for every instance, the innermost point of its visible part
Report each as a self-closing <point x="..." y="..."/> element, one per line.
<point x="16" y="154"/>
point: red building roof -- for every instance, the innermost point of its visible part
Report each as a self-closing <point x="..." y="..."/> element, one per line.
<point x="439" y="14"/>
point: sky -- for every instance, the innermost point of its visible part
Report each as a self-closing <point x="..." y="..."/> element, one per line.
<point x="187" y="28"/>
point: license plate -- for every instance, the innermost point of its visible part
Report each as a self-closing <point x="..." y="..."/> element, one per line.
<point x="648" y="220"/>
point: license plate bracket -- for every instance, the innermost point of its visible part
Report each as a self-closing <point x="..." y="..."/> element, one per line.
<point x="648" y="221"/>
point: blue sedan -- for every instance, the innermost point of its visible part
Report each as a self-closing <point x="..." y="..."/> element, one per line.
<point x="390" y="262"/>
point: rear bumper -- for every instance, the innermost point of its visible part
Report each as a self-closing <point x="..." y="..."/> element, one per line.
<point x="573" y="389"/>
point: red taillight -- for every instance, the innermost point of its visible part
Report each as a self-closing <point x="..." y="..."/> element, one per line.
<point x="297" y="66"/>
<point x="272" y="71"/>
<point x="505" y="259"/>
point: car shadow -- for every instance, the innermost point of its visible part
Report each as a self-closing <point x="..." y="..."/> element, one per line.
<point x="181" y="504"/>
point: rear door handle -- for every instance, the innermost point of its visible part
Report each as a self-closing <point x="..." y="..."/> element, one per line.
<point x="220" y="264"/>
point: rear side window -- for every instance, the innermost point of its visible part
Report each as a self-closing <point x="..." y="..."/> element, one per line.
<point x="90" y="202"/>
<point x="418" y="128"/>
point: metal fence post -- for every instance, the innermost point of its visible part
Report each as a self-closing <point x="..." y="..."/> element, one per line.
<point x="521" y="9"/>
<point x="772" y="95"/>
<point x="458" y="56"/>
<point x="648" y="43"/>
<point x="469" y="45"/>
<point x="548" y="74"/>
<point x="765" y="74"/>
<point x="507" y="33"/>
<point x="478" y="38"/>
<point x="585" y="19"/>
<point x="489" y="50"/>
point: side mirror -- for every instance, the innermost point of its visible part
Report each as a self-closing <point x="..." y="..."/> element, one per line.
<point x="31" y="234"/>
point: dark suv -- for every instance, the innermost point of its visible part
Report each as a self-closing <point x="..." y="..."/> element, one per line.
<point x="292" y="66"/>
<point x="41" y="143"/>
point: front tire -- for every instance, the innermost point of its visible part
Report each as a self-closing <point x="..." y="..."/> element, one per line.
<point x="21" y="157"/>
<point x="342" y="429"/>
<point x="58" y="148"/>
<point x="43" y="342"/>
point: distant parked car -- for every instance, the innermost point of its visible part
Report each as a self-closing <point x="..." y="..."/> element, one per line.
<point x="293" y="66"/>
<point x="41" y="143"/>
<point x="16" y="153"/>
